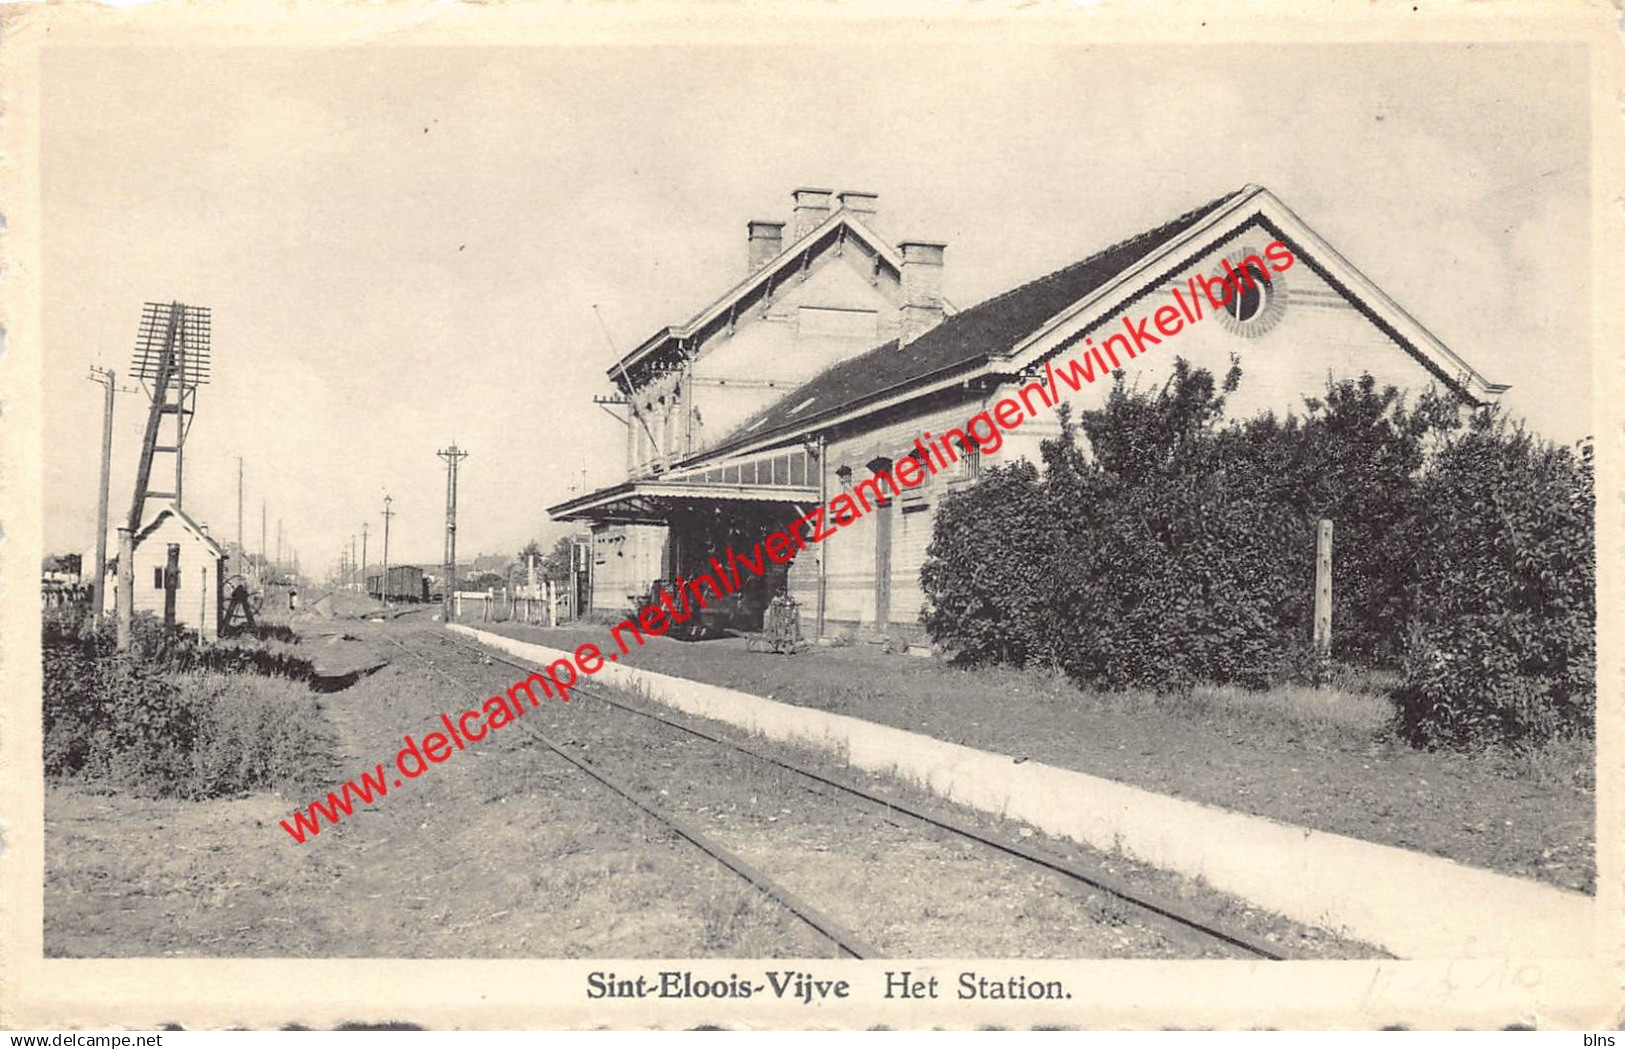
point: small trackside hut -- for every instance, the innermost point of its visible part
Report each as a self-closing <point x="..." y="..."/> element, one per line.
<point x="766" y="405"/>
<point x="178" y="570"/>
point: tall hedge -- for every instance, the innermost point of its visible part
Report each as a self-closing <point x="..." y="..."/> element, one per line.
<point x="1169" y="572"/>
<point x="1502" y="639"/>
<point x="1164" y="545"/>
<point x="986" y="569"/>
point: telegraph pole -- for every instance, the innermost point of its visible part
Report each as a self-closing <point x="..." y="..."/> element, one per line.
<point x="383" y="586"/>
<point x="99" y="581"/>
<point x="363" y="556"/>
<point x="452" y="456"/>
<point x="265" y="551"/>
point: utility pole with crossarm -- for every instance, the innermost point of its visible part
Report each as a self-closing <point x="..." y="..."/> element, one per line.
<point x="453" y="456"/>
<point x="383" y="585"/>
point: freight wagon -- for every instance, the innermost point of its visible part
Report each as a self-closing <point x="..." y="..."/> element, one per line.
<point x="406" y="583"/>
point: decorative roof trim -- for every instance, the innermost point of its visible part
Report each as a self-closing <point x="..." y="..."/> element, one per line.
<point x="1254" y="205"/>
<point x="170" y="509"/>
<point x="790" y="257"/>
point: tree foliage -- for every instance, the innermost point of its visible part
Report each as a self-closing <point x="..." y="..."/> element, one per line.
<point x="996" y="609"/>
<point x="551" y="565"/>
<point x="1164" y="545"/>
<point x="1502" y="640"/>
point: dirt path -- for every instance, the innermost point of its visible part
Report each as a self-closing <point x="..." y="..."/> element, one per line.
<point x="498" y="855"/>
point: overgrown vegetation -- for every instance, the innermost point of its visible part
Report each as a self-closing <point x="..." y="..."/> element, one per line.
<point x="174" y="718"/>
<point x="1501" y="643"/>
<point x="1179" y="550"/>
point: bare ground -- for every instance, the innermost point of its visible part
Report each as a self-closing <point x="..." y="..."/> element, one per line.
<point x="508" y="851"/>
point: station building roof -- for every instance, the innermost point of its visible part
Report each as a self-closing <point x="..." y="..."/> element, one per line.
<point x="960" y="342"/>
<point x="1011" y="331"/>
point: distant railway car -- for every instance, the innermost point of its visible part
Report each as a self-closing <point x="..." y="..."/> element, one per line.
<point x="406" y="583"/>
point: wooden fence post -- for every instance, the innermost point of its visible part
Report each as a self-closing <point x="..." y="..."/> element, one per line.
<point x="1323" y="602"/>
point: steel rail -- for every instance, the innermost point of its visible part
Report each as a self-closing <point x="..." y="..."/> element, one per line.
<point x="826" y="926"/>
<point x="1149" y="903"/>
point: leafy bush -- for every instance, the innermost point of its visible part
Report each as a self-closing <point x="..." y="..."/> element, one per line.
<point x="1183" y="568"/>
<point x="995" y="609"/>
<point x="254" y="734"/>
<point x="270" y="632"/>
<point x="1162" y="547"/>
<point x="268" y="660"/>
<point x="164" y="719"/>
<point x="1159" y="561"/>
<point x="180" y="651"/>
<point x="1503" y="647"/>
<point x="65" y="620"/>
<point x="111" y="718"/>
<point x="1355" y="459"/>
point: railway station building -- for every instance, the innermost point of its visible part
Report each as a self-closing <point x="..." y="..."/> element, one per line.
<point x="837" y="350"/>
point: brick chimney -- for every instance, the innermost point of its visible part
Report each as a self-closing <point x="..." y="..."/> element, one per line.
<point x="811" y="209"/>
<point x="862" y="205"/>
<point x="766" y="241"/>
<point x="922" y="289"/>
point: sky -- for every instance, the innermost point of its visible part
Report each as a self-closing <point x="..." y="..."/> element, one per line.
<point x="401" y="247"/>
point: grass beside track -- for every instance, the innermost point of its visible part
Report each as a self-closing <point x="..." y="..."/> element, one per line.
<point x="1315" y="758"/>
<point x="507" y="851"/>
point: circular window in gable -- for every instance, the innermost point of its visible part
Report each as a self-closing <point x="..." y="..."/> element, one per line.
<point x="1258" y="297"/>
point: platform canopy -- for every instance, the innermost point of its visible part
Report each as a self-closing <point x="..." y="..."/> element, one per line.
<point x="782" y="476"/>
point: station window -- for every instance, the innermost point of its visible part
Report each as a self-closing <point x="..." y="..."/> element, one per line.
<point x="1254" y="297"/>
<point x="877" y="467"/>
<point x="919" y="496"/>
<point x="967" y="464"/>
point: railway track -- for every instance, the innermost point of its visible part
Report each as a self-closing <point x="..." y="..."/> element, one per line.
<point x="1164" y="914"/>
